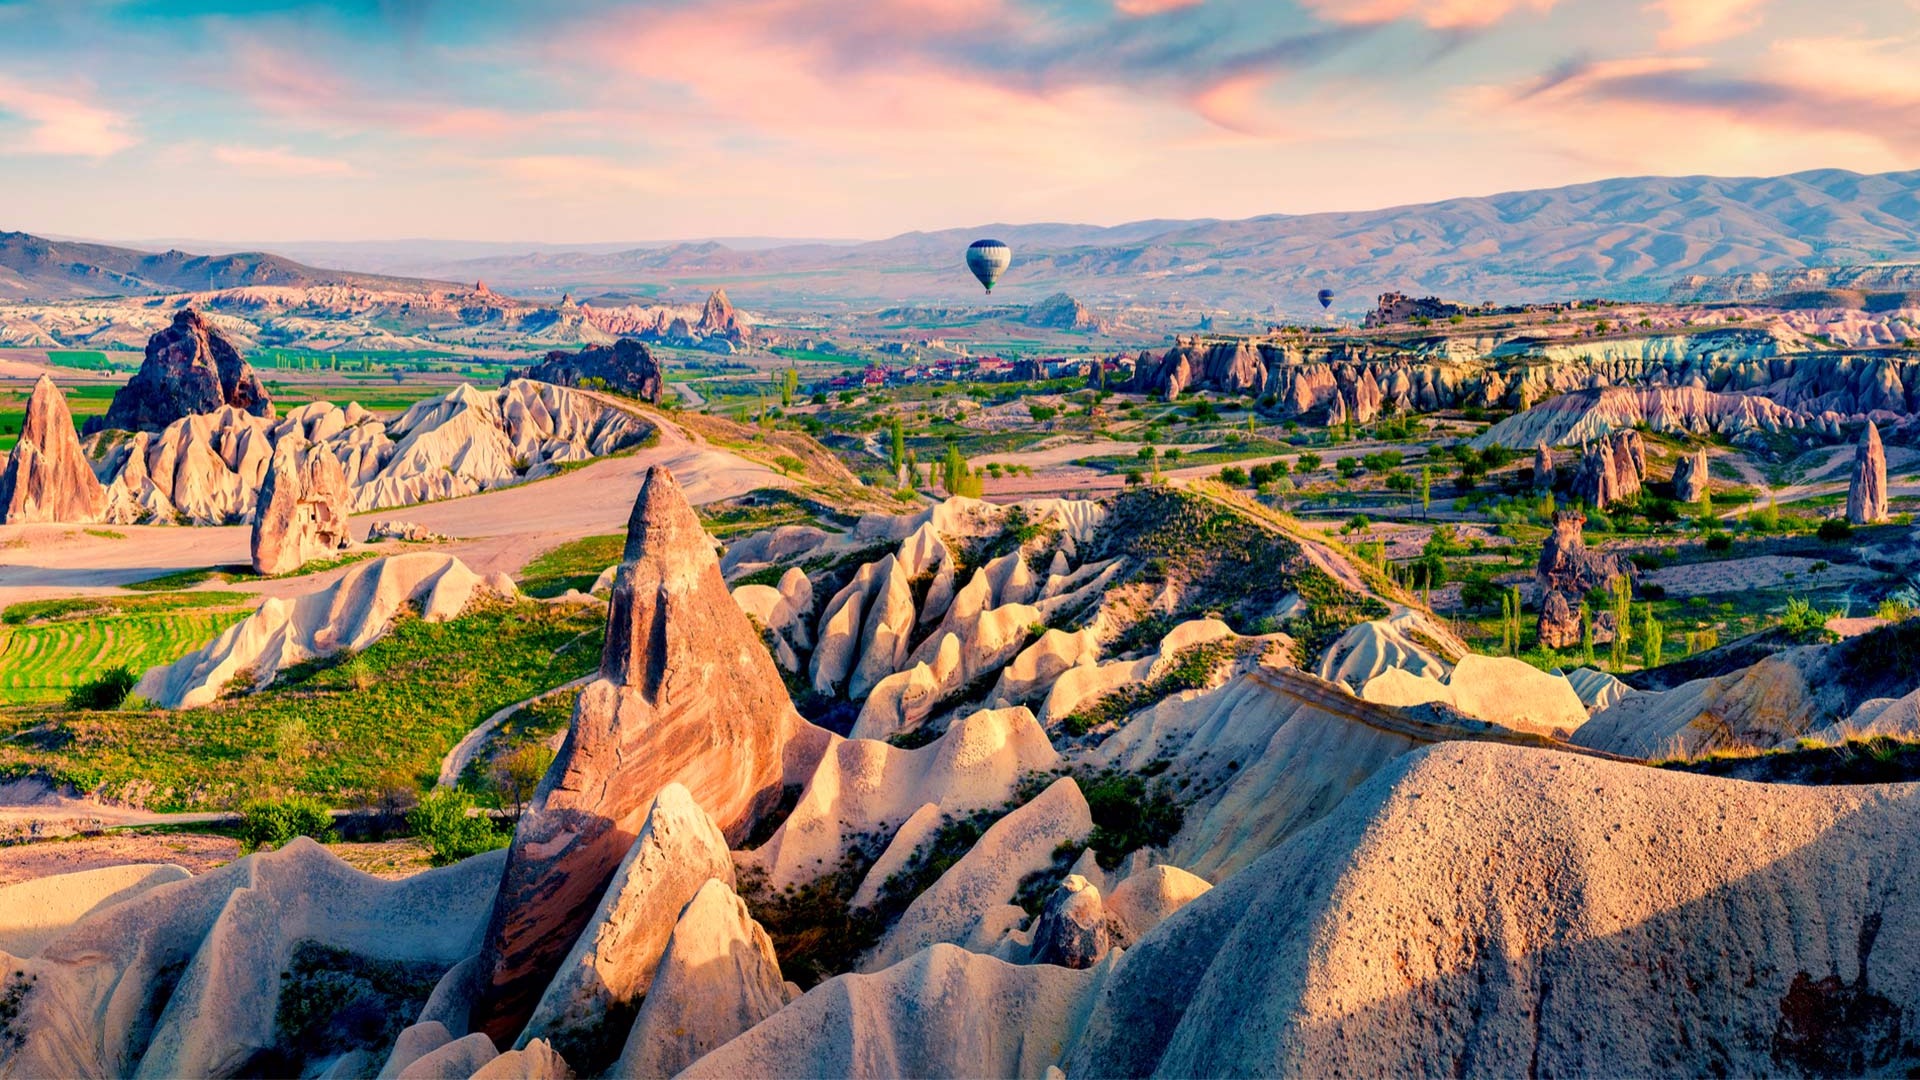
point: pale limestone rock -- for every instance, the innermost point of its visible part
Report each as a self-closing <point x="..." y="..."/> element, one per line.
<point x="718" y="977"/>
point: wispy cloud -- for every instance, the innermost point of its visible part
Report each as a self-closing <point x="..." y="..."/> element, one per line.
<point x="1692" y="23"/>
<point x="59" y="124"/>
<point x="280" y="161"/>
<point x="1438" y="14"/>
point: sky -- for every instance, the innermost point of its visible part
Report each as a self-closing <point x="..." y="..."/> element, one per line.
<point x="596" y="121"/>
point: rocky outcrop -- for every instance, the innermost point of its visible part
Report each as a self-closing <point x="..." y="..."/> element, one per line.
<point x="47" y="477"/>
<point x="185" y="978"/>
<point x="972" y="903"/>
<point x="1542" y="466"/>
<point x="302" y="514"/>
<point x="1062" y="312"/>
<point x="625" y="367"/>
<point x="1867" y="492"/>
<point x="719" y="319"/>
<point x="349" y="614"/>
<point x="189" y="368"/>
<point x="588" y="1007"/>
<point x="1433" y="909"/>
<point x="718" y="978"/>
<point x="1567" y="571"/>
<point x="1073" y="929"/>
<point x="942" y="1012"/>
<point x="1498" y="689"/>
<point x="686" y="693"/>
<point x="1690" y="477"/>
<point x="1611" y="470"/>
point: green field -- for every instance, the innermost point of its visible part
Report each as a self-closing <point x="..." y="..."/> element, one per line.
<point x="50" y="647"/>
<point x="572" y="565"/>
<point x="82" y="401"/>
<point x="344" y="729"/>
<point x="90" y="359"/>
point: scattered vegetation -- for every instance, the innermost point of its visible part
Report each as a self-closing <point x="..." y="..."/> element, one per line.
<point x="453" y="828"/>
<point x="273" y="823"/>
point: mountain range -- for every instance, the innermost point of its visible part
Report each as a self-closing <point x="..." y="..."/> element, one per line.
<point x="1628" y="238"/>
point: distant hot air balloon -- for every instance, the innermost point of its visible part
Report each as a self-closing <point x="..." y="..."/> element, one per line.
<point x="1326" y="298"/>
<point x="988" y="259"/>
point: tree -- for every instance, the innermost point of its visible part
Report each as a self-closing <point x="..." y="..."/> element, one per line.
<point x="959" y="479"/>
<point x="1586" y="634"/>
<point x="515" y="775"/>
<point x="1622" y="618"/>
<point x="897" y="444"/>
<point x="789" y="385"/>
<point x="1510" y="608"/>
<point x="1651" y="637"/>
<point x="1426" y="489"/>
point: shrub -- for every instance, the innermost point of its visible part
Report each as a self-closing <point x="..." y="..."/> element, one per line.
<point x="273" y="824"/>
<point x="1804" y="621"/>
<point x="450" y="832"/>
<point x="106" y="691"/>
<point x="1128" y="814"/>
<point x="1834" y="530"/>
<point x="1719" y="541"/>
<point x="1233" y="476"/>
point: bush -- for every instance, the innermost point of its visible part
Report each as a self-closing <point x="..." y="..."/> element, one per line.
<point x="1803" y="621"/>
<point x="106" y="691"/>
<point x="450" y="832"/>
<point x="274" y="824"/>
<point x="1233" y="476"/>
<point x="1719" y="541"/>
<point x="1834" y="530"/>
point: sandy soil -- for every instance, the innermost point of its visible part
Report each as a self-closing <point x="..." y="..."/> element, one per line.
<point x="199" y="854"/>
<point x="1745" y="575"/>
<point x="493" y="531"/>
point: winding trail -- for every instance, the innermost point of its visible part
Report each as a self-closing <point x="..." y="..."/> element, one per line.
<point x="469" y="746"/>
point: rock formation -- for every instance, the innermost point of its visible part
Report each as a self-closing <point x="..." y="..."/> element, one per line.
<point x="189" y="368"/>
<point x="626" y="367"/>
<point x="718" y="978"/>
<point x="1566" y="573"/>
<point x="1611" y="470"/>
<point x="1073" y="929"/>
<point x="1867" y="494"/>
<point x="1542" y="466"/>
<point x="1690" y="477"/>
<point x="688" y="693"/>
<point x="587" y="1008"/>
<point x="1433" y="910"/>
<point x="719" y="319"/>
<point x="302" y="513"/>
<point x="47" y="477"/>
<point x="351" y="613"/>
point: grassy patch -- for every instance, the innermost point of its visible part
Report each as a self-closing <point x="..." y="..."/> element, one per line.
<point x="332" y="1000"/>
<point x="1191" y="669"/>
<point x="1876" y="760"/>
<point x="48" y="648"/>
<point x="573" y="565"/>
<point x="341" y="729"/>
<point x="200" y="575"/>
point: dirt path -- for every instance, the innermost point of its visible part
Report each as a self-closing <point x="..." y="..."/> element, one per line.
<point x="470" y="745"/>
<point x="492" y="531"/>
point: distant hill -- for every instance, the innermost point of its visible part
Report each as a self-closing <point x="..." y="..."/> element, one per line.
<point x="1630" y="238"/>
<point x="1627" y="238"/>
<point x="32" y="268"/>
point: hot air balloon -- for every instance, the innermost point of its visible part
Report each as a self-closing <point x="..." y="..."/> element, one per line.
<point x="988" y="259"/>
<point x="1326" y="298"/>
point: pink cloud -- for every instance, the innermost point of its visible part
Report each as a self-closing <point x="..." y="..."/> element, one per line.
<point x="280" y="161"/>
<point x="58" y="124"/>
<point x="1438" y="14"/>
<point x="1691" y="23"/>
<point x="1138" y="8"/>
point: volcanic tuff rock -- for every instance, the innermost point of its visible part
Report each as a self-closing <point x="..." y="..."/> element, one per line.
<point x="1690" y="477"/>
<point x="47" y="477"/>
<point x="189" y="368"/>
<point x="718" y="977"/>
<point x="587" y="1008"/>
<point x="351" y="613"/>
<point x="1074" y="929"/>
<point x="1566" y="573"/>
<point x="1542" y="466"/>
<point x="1492" y="910"/>
<point x="1611" y="470"/>
<point x="687" y="693"/>
<point x="183" y="978"/>
<point x="718" y="317"/>
<point x="1867" y="493"/>
<point x="626" y="366"/>
<point x="302" y="514"/>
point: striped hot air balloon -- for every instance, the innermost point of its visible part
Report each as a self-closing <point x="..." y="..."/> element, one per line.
<point x="988" y="259"/>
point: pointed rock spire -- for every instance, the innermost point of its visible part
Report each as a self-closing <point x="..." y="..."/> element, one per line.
<point x="1867" y="494"/>
<point x="687" y="693"/>
<point x="47" y="477"/>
